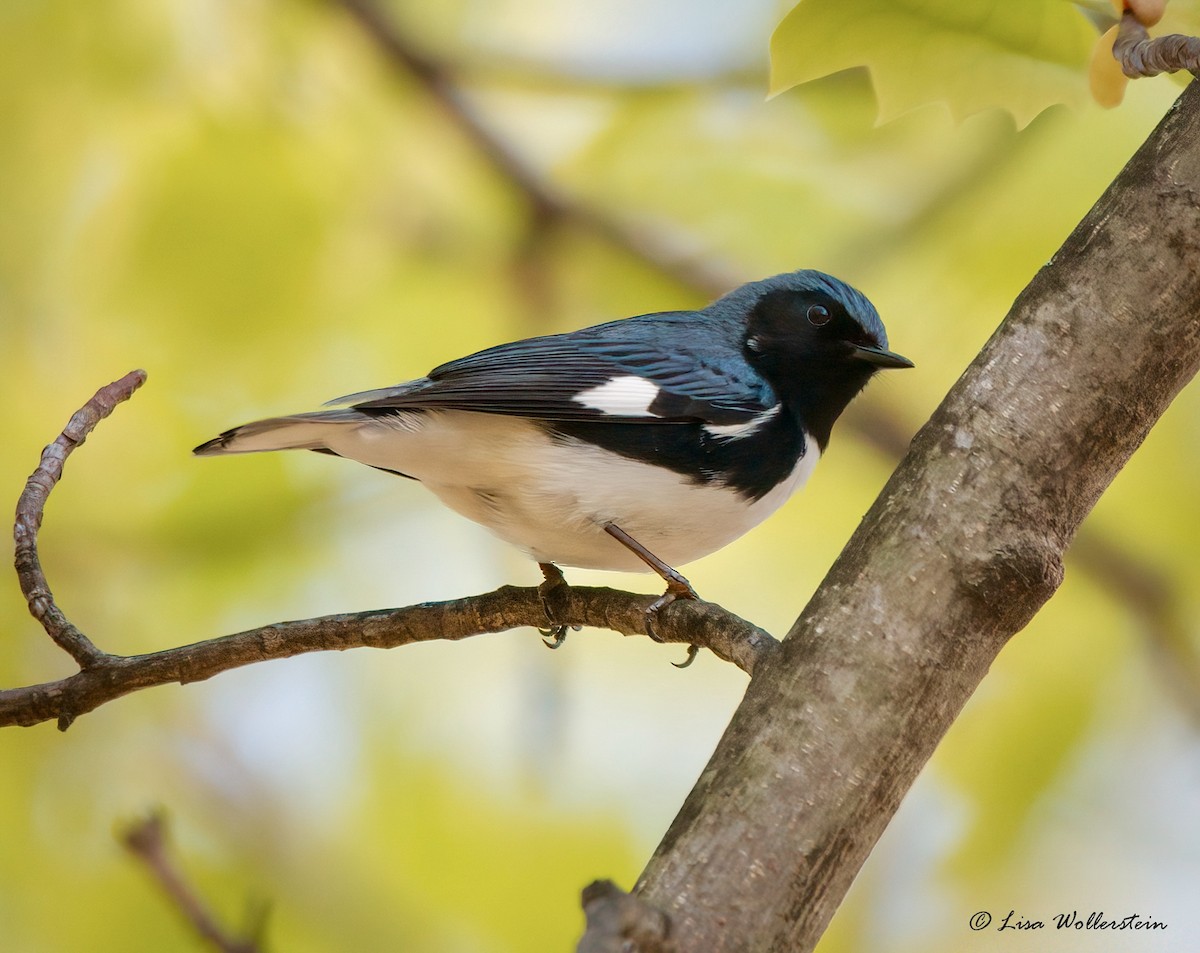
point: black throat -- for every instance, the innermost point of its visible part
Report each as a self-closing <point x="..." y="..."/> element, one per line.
<point x="817" y="394"/>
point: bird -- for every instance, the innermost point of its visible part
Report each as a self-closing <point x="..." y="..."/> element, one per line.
<point x="638" y="444"/>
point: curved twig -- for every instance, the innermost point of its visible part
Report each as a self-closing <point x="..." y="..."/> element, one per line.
<point x="32" y="503"/>
<point x="103" y="677"/>
<point x="1140" y="56"/>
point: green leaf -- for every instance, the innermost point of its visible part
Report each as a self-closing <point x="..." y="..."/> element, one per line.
<point x="1019" y="55"/>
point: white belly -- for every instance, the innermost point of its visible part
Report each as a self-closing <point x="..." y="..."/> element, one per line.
<point x="552" y="498"/>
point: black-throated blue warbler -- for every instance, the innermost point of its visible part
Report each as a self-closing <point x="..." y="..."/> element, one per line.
<point x="647" y="442"/>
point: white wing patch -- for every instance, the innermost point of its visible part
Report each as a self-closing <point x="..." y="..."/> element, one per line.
<point x="628" y="396"/>
<point x="745" y="429"/>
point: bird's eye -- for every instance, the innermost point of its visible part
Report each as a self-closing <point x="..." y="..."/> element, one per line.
<point x="818" y="315"/>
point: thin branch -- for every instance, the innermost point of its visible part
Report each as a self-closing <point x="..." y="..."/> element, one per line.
<point x="103" y="677"/>
<point x="147" y="841"/>
<point x="1140" y="56"/>
<point x="29" y="518"/>
<point x="509" y="607"/>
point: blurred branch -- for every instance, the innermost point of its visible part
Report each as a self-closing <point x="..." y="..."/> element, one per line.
<point x="436" y="79"/>
<point x="546" y="206"/>
<point x="1153" y="600"/>
<point x="103" y="677"/>
<point x="1140" y="56"/>
<point x="147" y="841"/>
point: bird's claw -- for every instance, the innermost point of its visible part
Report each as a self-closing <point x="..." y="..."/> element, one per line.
<point x="677" y="588"/>
<point x="555" y="634"/>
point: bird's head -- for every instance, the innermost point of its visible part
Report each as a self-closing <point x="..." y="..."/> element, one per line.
<point x="810" y="317"/>
<point x="816" y="340"/>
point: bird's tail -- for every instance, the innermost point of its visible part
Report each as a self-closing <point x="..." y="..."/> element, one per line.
<point x="294" y="432"/>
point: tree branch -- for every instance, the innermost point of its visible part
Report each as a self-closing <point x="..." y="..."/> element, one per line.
<point x="32" y="503"/>
<point x="917" y="671"/>
<point x="1141" y="56"/>
<point x="962" y="548"/>
<point x="103" y="677"/>
<point x="1137" y="586"/>
<point x="147" y="841"/>
<point x="509" y="607"/>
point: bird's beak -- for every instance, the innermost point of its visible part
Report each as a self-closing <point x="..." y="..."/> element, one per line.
<point x="879" y="357"/>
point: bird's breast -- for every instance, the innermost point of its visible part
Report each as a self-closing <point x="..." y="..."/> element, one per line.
<point x="551" y="493"/>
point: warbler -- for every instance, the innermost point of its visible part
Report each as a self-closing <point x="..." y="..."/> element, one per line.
<point x="638" y="444"/>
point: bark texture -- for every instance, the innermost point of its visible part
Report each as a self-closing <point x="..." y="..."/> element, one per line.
<point x="962" y="548"/>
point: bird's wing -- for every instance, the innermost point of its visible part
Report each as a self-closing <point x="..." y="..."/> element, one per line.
<point x="655" y="368"/>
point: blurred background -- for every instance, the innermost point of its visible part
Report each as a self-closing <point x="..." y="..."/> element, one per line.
<point x="265" y="205"/>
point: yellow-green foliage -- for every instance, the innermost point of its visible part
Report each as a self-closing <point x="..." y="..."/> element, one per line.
<point x="243" y="198"/>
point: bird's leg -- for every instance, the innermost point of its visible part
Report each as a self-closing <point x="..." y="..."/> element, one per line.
<point x="554" y="634"/>
<point x="677" y="586"/>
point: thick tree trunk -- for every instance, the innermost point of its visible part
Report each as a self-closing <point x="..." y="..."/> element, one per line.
<point x="962" y="548"/>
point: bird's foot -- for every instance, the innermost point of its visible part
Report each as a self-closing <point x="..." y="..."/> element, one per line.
<point x="555" y="634"/>
<point x="677" y="588"/>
